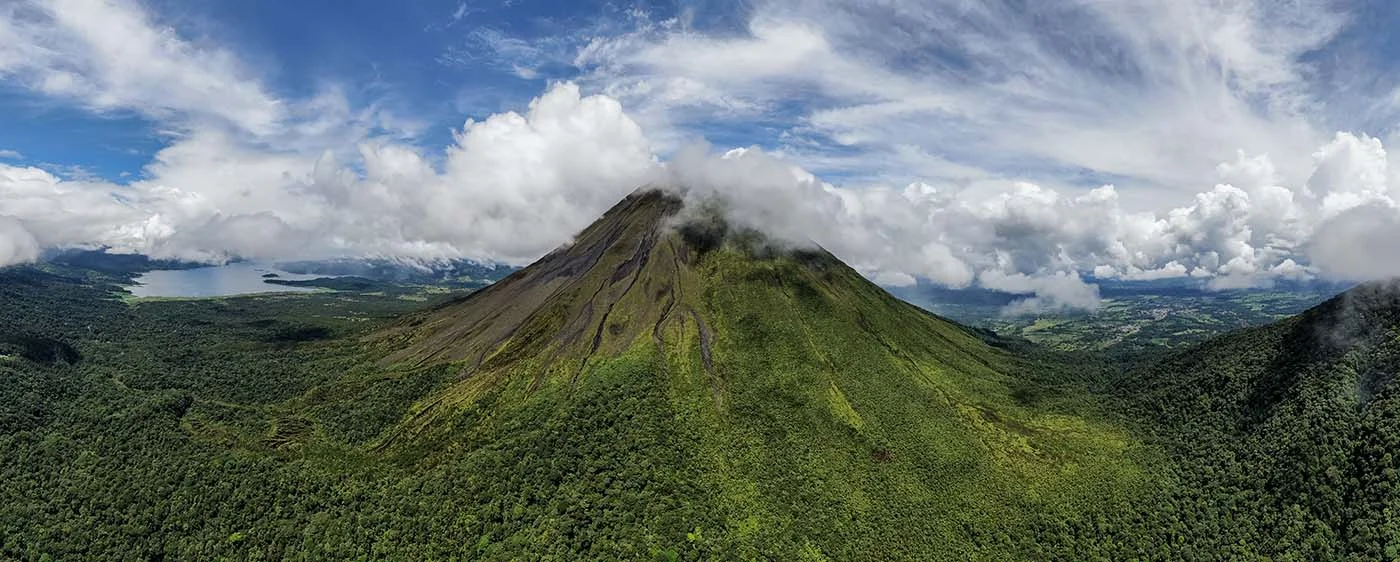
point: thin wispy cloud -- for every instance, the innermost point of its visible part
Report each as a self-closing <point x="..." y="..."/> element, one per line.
<point x="1159" y="93"/>
<point x="111" y="56"/>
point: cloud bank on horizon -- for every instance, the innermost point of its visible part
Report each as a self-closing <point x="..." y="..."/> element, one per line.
<point x="1019" y="149"/>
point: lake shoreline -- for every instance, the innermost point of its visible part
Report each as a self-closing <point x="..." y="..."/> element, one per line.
<point x="229" y="280"/>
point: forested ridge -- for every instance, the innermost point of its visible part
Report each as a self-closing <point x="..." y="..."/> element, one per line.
<point x="1285" y="437"/>
<point x="721" y="401"/>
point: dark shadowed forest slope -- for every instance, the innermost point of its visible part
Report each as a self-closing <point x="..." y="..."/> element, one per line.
<point x="1286" y="436"/>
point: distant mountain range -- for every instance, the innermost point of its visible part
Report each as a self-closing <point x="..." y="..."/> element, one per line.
<point x="112" y="263"/>
<point x="451" y="273"/>
<point x="457" y="273"/>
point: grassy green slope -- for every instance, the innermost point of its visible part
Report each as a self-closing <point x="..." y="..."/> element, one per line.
<point x="841" y="420"/>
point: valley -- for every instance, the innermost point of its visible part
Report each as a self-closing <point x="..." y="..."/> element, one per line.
<point x="1133" y="319"/>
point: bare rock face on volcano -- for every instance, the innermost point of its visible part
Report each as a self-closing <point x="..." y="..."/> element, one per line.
<point x="562" y="305"/>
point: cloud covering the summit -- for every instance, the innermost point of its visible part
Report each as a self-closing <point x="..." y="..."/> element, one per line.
<point x="963" y="145"/>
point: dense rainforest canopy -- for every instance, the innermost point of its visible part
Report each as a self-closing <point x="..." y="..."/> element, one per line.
<point x="667" y="389"/>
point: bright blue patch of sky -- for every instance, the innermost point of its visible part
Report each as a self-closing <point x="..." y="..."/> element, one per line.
<point x="434" y="62"/>
<point x="73" y="142"/>
<point x="395" y="55"/>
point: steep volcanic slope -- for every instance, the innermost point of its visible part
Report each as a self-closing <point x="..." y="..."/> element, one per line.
<point x="562" y="302"/>
<point x="677" y="386"/>
<point x="1287" y="437"/>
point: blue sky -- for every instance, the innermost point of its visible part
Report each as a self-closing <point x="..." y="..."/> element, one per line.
<point x="434" y="64"/>
<point x="1003" y="142"/>
<point x="379" y="52"/>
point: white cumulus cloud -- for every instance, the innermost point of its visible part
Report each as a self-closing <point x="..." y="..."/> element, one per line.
<point x="246" y="173"/>
<point x="509" y="189"/>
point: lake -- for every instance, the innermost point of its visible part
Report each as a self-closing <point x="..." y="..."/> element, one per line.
<point x="215" y="281"/>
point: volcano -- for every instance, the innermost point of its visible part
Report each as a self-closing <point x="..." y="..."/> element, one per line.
<point x="672" y="386"/>
<point x="678" y="384"/>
